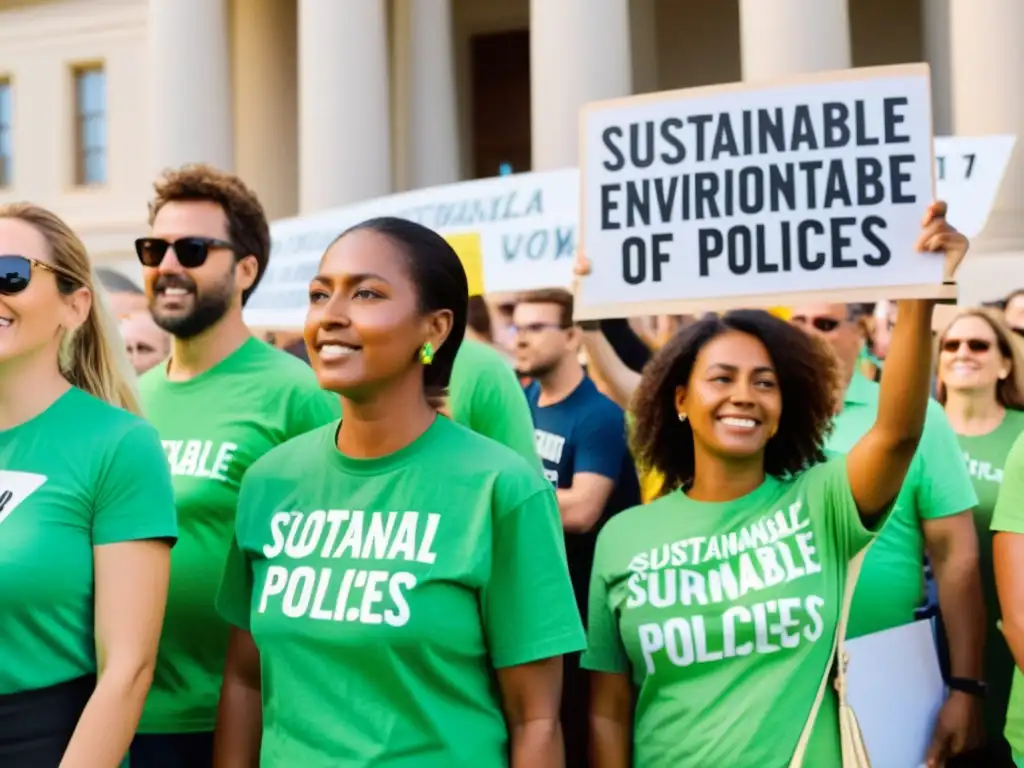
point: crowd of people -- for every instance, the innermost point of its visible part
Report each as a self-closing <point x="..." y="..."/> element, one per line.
<point x="438" y="531"/>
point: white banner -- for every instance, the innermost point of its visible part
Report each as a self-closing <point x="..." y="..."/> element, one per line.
<point x="528" y="218"/>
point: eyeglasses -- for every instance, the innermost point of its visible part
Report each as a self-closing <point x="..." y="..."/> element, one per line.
<point x="823" y="324"/>
<point x="536" y="328"/>
<point x="16" y="273"/>
<point x="191" y="252"/>
<point x="975" y="345"/>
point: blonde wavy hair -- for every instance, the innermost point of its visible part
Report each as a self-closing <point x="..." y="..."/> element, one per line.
<point x="92" y="357"/>
<point x="1009" y="391"/>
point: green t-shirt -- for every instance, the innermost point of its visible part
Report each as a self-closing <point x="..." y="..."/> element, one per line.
<point x="891" y="584"/>
<point x="1008" y="517"/>
<point x="213" y="428"/>
<point x="382" y="594"/>
<point x="724" y="615"/>
<point x="80" y="475"/>
<point x="985" y="456"/>
<point x="486" y="397"/>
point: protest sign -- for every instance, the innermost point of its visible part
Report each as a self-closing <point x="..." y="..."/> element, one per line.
<point x="525" y="221"/>
<point x="758" y="195"/>
<point x="968" y="172"/>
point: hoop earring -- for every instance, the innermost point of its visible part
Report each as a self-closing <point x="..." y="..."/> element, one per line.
<point x="427" y="353"/>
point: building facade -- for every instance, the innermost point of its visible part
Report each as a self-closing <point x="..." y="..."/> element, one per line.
<point x="320" y="103"/>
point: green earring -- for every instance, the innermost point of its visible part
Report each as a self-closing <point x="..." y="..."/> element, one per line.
<point x="427" y="353"/>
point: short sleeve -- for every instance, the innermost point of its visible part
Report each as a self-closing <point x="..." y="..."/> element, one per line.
<point x="495" y="406"/>
<point x="311" y="408"/>
<point x="1008" y="516"/>
<point x="601" y="447"/>
<point x="605" y="651"/>
<point x="134" y="497"/>
<point x="529" y="609"/>
<point x="234" y="598"/>
<point x="943" y="485"/>
<point x="831" y="483"/>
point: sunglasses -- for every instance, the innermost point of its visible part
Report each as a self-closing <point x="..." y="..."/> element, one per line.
<point x="16" y="273"/>
<point x="823" y="324"/>
<point x="975" y="345"/>
<point x="191" y="252"/>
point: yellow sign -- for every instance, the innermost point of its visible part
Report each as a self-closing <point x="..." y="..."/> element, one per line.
<point x="467" y="246"/>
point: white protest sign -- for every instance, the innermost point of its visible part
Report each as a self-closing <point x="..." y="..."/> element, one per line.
<point x="968" y="172"/>
<point x="527" y="219"/>
<point x="744" y="195"/>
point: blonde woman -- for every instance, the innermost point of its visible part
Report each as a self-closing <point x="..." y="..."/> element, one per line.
<point x="981" y="387"/>
<point x="86" y="511"/>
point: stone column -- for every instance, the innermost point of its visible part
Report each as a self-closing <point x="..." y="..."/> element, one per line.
<point x="344" y="103"/>
<point x="988" y="98"/>
<point x="791" y="37"/>
<point x="190" y="84"/>
<point x="431" y="127"/>
<point x="579" y="52"/>
<point x="938" y="54"/>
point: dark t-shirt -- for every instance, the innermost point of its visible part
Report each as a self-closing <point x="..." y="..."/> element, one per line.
<point x="585" y="432"/>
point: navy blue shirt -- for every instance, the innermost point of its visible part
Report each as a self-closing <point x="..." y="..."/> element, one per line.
<point x="585" y="432"/>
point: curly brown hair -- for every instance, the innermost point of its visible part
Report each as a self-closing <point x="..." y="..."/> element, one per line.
<point x="248" y="229"/>
<point x="807" y="376"/>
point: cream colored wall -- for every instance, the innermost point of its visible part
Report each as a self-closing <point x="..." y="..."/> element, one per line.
<point x="39" y="44"/>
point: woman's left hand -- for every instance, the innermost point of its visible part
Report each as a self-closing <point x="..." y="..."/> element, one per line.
<point x="937" y="236"/>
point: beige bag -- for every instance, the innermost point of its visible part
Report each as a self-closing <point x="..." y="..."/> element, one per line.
<point x="855" y="754"/>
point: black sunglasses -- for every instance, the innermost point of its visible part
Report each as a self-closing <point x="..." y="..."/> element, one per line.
<point x="191" y="252"/>
<point x="975" y="345"/>
<point x="16" y="273"/>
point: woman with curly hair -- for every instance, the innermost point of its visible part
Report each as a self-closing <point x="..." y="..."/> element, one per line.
<point x="717" y="604"/>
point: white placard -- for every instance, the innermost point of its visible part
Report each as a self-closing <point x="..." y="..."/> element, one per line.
<point x="895" y="688"/>
<point x="746" y="195"/>
<point x="969" y="171"/>
<point x="515" y="260"/>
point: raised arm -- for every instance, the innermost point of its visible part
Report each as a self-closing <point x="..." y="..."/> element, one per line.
<point x="878" y="463"/>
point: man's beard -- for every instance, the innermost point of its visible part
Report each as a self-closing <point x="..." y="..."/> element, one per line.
<point x="209" y="307"/>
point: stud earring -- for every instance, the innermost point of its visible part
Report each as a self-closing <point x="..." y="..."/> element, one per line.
<point x="682" y="417"/>
<point x="427" y="353"/>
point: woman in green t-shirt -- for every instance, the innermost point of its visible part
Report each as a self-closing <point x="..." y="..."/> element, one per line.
<point x="981" y="387"/>
<point x="714" y="608"/>
<point x="86" y="511"/>
<point x="397" y="583"/>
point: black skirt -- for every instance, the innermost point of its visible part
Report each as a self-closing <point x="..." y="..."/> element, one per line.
<point x="36" y="726"/>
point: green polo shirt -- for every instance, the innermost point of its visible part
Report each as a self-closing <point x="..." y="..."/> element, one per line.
<point x="891" y="585"/>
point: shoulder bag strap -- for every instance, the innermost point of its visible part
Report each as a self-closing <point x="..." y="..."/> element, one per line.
<point x="852" y="573"/>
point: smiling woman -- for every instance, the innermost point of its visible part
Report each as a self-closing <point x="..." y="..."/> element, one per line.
<point x="720" y="601"/>
<point x="407" y="560"/>
<point x="84" y="484"/>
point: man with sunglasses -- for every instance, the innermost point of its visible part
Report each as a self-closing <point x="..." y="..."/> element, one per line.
<point x="933" y="512"/>
<point x="223" y="400"/>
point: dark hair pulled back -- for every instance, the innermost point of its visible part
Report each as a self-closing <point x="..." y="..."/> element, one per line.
<point x="441" y="284"/>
